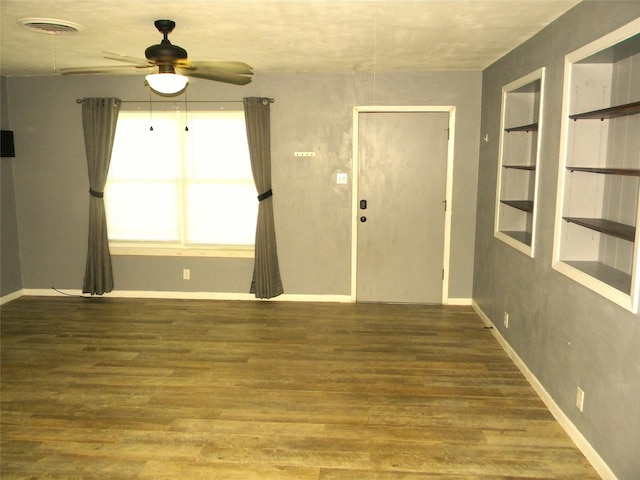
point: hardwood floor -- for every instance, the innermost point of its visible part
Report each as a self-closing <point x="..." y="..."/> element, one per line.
<point x="181" y="389"/>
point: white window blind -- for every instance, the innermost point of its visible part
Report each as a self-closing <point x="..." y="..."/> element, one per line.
<point x="178" y="187"/>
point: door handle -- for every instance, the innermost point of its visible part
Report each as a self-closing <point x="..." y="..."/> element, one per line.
<point x="363" y="204"/>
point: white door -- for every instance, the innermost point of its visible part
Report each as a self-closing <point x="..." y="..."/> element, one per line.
<point x="402" y="169"/>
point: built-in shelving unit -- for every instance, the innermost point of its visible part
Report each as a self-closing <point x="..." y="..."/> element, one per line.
<point x="596" y="240"/>
<point x="517" y="183"/>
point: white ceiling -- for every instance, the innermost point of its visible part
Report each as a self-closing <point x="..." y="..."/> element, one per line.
<point x="326" y="36"/>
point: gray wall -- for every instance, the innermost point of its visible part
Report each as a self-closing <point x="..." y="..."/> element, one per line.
<point x="566" y="334"/>
<point x="313" y="214"/>
<point x="10" y="270"/>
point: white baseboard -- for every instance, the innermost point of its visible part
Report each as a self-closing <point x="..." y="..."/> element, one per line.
<point x="11" y="296"/>
<point x="583" y="445"/>
<point x="191" y="295"/>
<point x="458" y="301"/>
<point x="293" y="297"/>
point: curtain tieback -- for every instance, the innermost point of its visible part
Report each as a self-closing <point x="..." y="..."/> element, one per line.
<point x="93" y="193"/>
<point x="265" y="195"/>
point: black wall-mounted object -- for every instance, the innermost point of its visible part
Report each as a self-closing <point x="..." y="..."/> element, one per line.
<point x="6" y="144"/>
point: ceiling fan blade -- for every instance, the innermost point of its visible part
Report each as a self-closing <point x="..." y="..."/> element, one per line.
<point x="227" y="66"/>
<point x="125" y="58"/>
<point x="217" y="75"/>
<point x="108" y="70"/>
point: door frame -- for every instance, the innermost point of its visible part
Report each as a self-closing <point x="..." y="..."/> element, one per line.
<point x="355" y="165"/>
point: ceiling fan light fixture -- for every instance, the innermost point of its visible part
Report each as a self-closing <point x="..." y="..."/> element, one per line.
<point x="167" y="83"/>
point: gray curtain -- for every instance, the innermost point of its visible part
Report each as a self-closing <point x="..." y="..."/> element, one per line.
<point x="99" y="117"/>
<point x="266" y="281"/>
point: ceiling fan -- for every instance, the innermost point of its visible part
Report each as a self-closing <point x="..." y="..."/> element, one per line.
<point x="170" y="63"/>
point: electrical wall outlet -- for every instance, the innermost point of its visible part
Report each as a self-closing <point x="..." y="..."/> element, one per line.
<point x="506" y="320"/>
<point x="580" y="399"/>
<point x="186" y="274"/>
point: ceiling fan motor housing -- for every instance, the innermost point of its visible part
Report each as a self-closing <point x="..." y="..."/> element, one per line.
<point x="165" y="52"/>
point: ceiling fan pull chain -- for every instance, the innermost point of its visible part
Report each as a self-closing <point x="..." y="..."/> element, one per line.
<point x="150" y="112"/>
<point x="186" y="112"/>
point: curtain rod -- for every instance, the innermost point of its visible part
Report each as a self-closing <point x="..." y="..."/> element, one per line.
<point x="271" y="100"/>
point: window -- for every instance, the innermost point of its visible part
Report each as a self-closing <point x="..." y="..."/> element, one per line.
<point x="180" y="183"/>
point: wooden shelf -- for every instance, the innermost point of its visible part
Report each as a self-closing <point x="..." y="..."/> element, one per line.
<point x="604" y="273"/>
<point x="522" y="237"/>
<point x="524" y="205"/>
<point x="520" y="167"/>
<point x="532" y="127"/>
<point x="615" y="229"/>
<point x="611" y="112"/>
<point x="631" y="172"/>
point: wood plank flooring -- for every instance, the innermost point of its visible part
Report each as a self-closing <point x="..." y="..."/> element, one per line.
<point x="180" y="389"/>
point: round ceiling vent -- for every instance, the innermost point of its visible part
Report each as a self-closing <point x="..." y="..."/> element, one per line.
<point x="50" y="26"/>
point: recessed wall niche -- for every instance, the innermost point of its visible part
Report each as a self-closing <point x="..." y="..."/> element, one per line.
<point x="517" y="183"/>
<point x="596" y="239"/>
